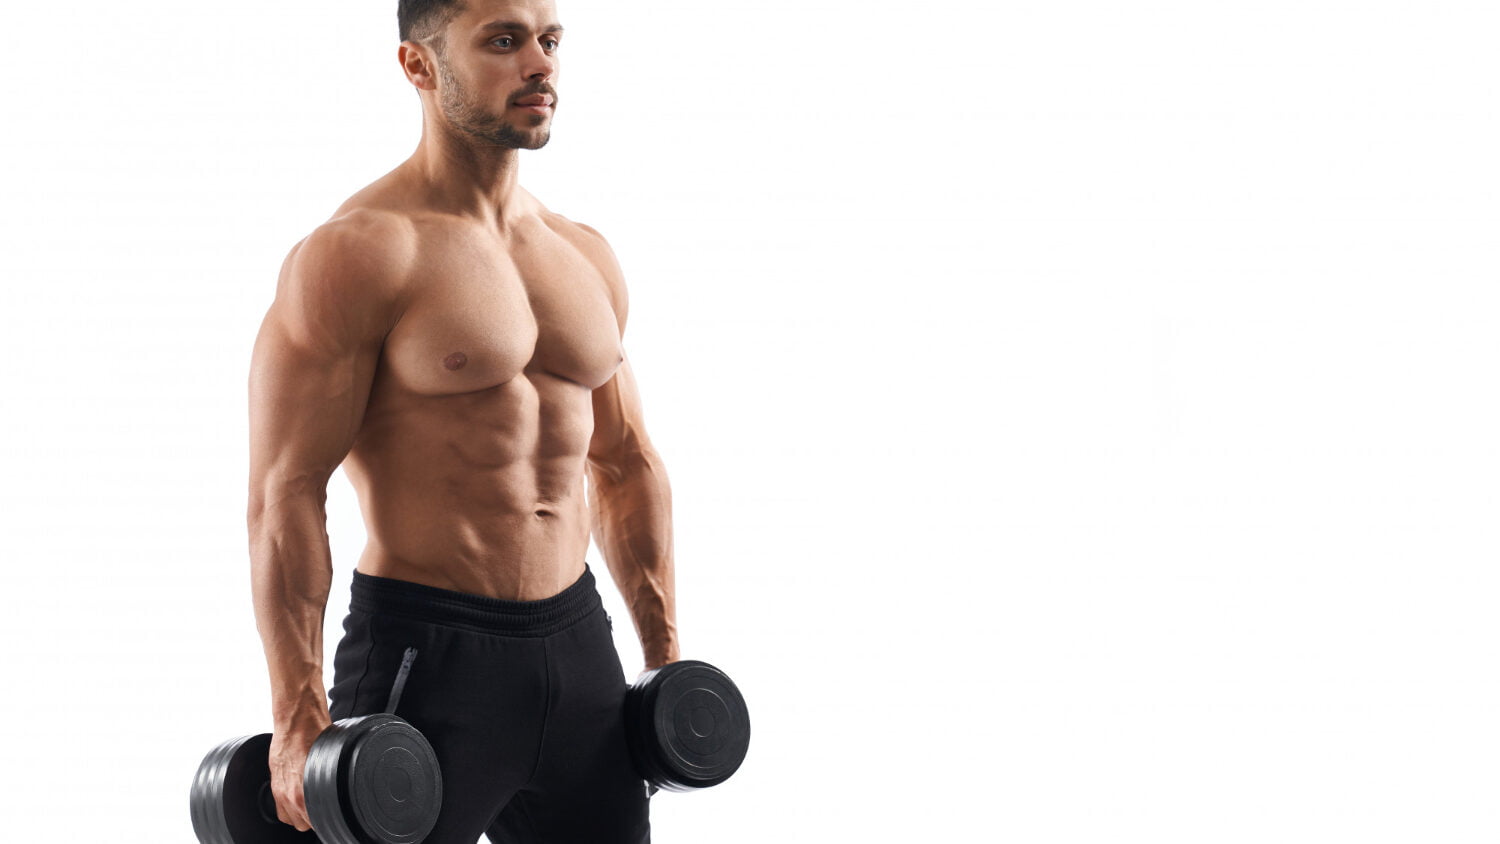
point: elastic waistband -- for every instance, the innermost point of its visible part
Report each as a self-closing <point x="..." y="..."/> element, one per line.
<point x="482" y="613"/>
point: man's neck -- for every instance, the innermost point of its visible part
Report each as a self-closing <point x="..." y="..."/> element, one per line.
<point x="470" y="179"/>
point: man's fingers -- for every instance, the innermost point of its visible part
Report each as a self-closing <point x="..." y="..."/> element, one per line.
<point x="304" y="823"/>
<point x="297" y="817"/>
<point x="291" y="804"/>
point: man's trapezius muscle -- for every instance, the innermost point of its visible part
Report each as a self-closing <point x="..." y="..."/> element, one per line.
<point x="457" y="347"/>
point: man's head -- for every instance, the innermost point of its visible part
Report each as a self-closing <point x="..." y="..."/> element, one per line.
<point x="474" y="61"/>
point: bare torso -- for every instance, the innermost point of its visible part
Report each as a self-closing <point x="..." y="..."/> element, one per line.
<point x="469" y="463"/>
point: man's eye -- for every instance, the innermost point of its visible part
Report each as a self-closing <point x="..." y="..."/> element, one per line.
<point x="552" y="41"/>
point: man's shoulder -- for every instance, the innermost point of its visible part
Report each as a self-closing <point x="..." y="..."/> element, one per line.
<point x="345" y="284"/>
<point x="584" y="229"/>
<point x="364" y="234"/>
<point x="361" y="247"/>
<point x="588" y="241"/>
<point x="591" y="243"/>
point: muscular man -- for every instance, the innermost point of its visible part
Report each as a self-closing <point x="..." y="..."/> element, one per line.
<point x="458" y="348"/>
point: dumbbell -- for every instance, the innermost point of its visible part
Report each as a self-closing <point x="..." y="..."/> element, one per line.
<point x="370" y="779"/>
<point x="686" y="725"/>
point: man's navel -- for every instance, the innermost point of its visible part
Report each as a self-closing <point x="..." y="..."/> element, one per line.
<point x="455" y="361"/>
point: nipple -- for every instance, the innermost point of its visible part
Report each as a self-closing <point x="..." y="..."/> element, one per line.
<point x="455" y="361"/>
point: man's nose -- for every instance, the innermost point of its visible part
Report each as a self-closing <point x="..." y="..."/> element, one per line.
<point x="539" y="65"/>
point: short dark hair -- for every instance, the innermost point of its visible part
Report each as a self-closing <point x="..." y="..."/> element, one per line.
<point x="420" y="20"/>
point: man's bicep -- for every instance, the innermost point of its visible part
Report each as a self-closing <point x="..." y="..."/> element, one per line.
<point x="619" y="424"/>
<point x="305" y="407"/>
<point x="312" y="369"/>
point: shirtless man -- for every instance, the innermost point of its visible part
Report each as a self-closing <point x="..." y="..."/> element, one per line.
<point x="458" y="348"/>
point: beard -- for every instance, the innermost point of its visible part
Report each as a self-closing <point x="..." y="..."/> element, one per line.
<point x="473" y="119"/>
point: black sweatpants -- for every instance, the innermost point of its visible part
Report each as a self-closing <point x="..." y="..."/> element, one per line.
<point x="522" y="701"/>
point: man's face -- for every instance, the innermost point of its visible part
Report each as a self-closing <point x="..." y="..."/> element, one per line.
<point x="496" y="54"/>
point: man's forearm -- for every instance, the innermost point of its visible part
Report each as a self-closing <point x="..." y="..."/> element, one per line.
<point x="632" y="511"/>
<point x="291" y="572"/>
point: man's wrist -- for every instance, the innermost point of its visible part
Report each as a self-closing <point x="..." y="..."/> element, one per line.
<point x="660" y="658"/>
<point x="308" y="710"/>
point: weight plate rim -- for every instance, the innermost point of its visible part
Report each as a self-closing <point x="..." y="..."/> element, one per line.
<point x="205" y="798"/>
<point x="203" y="805"/>
<point x="320" y="776"/>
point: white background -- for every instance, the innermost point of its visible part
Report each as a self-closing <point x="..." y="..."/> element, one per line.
<point x="1080" y="415"/>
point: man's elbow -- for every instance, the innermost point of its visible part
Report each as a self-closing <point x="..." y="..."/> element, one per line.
<point x="616" y="464"/>
<point x="301" y="489"/>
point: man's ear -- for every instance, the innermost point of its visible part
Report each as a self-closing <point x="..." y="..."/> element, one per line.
<point x="418" y="63"/>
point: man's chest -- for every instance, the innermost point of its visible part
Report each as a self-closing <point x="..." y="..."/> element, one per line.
<point x="480" y="314"/>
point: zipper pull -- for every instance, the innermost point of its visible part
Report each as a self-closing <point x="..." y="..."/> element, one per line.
<point x="406" y="660"/>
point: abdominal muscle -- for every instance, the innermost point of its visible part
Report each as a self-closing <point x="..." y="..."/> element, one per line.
<point x="476" y="492"/>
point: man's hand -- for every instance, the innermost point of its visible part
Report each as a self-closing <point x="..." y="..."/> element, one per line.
<point x="289" y="750"/>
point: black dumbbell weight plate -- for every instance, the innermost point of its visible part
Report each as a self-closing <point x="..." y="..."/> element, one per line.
<point x="397" y="787"/>
<point x="373" y="779"/>
<point x="687" y="724"/>
<point x="231" y="800"/>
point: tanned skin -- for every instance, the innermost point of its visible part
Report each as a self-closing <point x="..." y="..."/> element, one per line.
<point x="458" y="348"/>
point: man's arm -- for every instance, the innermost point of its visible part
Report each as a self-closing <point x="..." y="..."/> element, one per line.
<point x="310" y="375"/>
<point x="630" y="499"/>
<point x="631" y="504"/>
